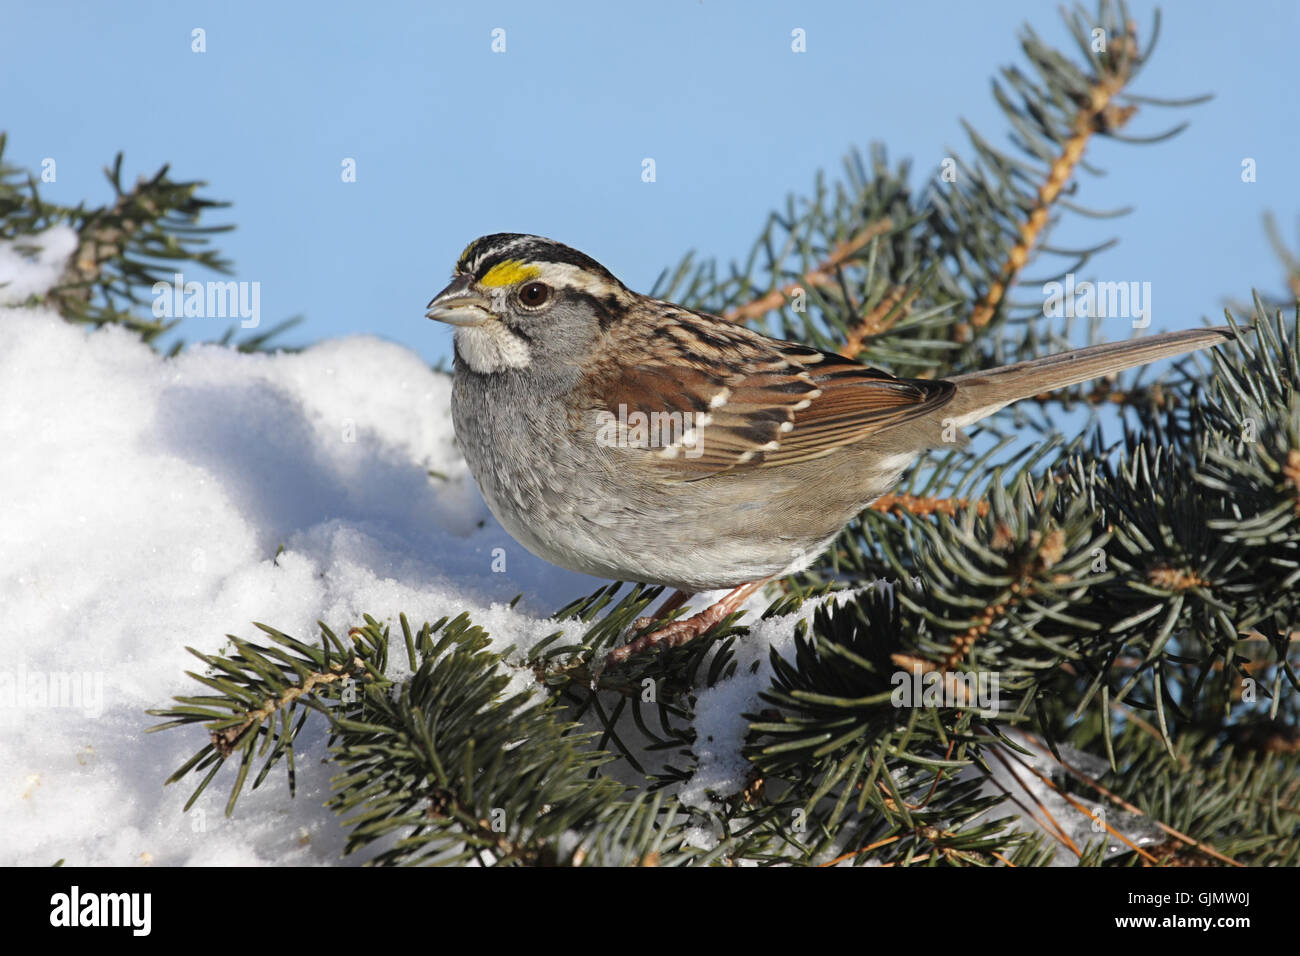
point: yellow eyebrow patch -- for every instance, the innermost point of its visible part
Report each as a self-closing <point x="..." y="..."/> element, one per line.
<point x="508" y="273"/>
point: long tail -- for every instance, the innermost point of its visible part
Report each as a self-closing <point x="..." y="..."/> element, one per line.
<point x="980" y="394"/>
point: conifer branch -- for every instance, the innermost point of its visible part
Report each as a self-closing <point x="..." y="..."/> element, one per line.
<point x="1098" y="113"/>
<point x="892" y="307"/>
<point x="1130" y="808"/>
<point x="820" y="275"/>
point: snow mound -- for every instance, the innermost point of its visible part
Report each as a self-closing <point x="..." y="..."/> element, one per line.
<point x="148" y="503"/>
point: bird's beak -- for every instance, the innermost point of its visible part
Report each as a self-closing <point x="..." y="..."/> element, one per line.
<point x="459" y="304"/>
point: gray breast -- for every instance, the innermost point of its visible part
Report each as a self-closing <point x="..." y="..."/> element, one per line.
<point x="592" y="508"/>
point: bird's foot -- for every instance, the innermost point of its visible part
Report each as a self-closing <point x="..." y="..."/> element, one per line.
<point x="680" y="632"/>
<point x="674" y="601"/>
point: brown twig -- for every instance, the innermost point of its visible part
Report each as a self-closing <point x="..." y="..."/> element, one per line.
<point x="892" y="308"/>
<point x="1054" y="829"/>
<point x="1098" y="114"/>
<point x="824" y="274"/>
<point x="1082" y="809"/>
<point x="1291" y="472"/>
<point x="924" y="506"/>
<point x="866" y="849"/>
<point x="1047" y="550"/>
<point x="1175" y="579"/>
<point x="227" y="739"/>
<point x="443" y="804"/>
<point x="1124" y="804"/>
<point x="101" y="238"/>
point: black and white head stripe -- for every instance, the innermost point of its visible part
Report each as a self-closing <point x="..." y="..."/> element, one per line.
<point x="487" y="252"/>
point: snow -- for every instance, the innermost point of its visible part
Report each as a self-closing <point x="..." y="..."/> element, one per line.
<point x="32" y="266"/>
<point x="142" y="504"/>
<point x="1042" y="809"/>
<point x="720" y="726"/>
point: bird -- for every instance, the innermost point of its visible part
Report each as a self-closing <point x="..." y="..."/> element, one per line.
<point x="633" y="439"/>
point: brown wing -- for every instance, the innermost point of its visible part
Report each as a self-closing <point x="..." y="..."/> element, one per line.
<point x="728" y="398"/>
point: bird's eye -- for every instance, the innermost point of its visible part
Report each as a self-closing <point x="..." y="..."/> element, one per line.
<point x="535" y="294"/>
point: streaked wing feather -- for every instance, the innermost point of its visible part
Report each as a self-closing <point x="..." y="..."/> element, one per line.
<point x="754" y="402"/>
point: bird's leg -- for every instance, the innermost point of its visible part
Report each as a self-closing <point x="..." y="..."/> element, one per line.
<point x="679" y="632"/>
<point x="674" y="601"/>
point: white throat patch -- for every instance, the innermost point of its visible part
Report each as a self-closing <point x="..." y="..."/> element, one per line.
<point x="491" y="347"/>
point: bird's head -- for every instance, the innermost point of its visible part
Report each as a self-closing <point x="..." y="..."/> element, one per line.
<point x="517" y="298"/>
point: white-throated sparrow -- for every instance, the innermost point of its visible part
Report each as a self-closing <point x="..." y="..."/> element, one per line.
<point x="633" y="439"/>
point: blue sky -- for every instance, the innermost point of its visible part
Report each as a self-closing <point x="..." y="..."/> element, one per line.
<point x="453" y="141"/>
